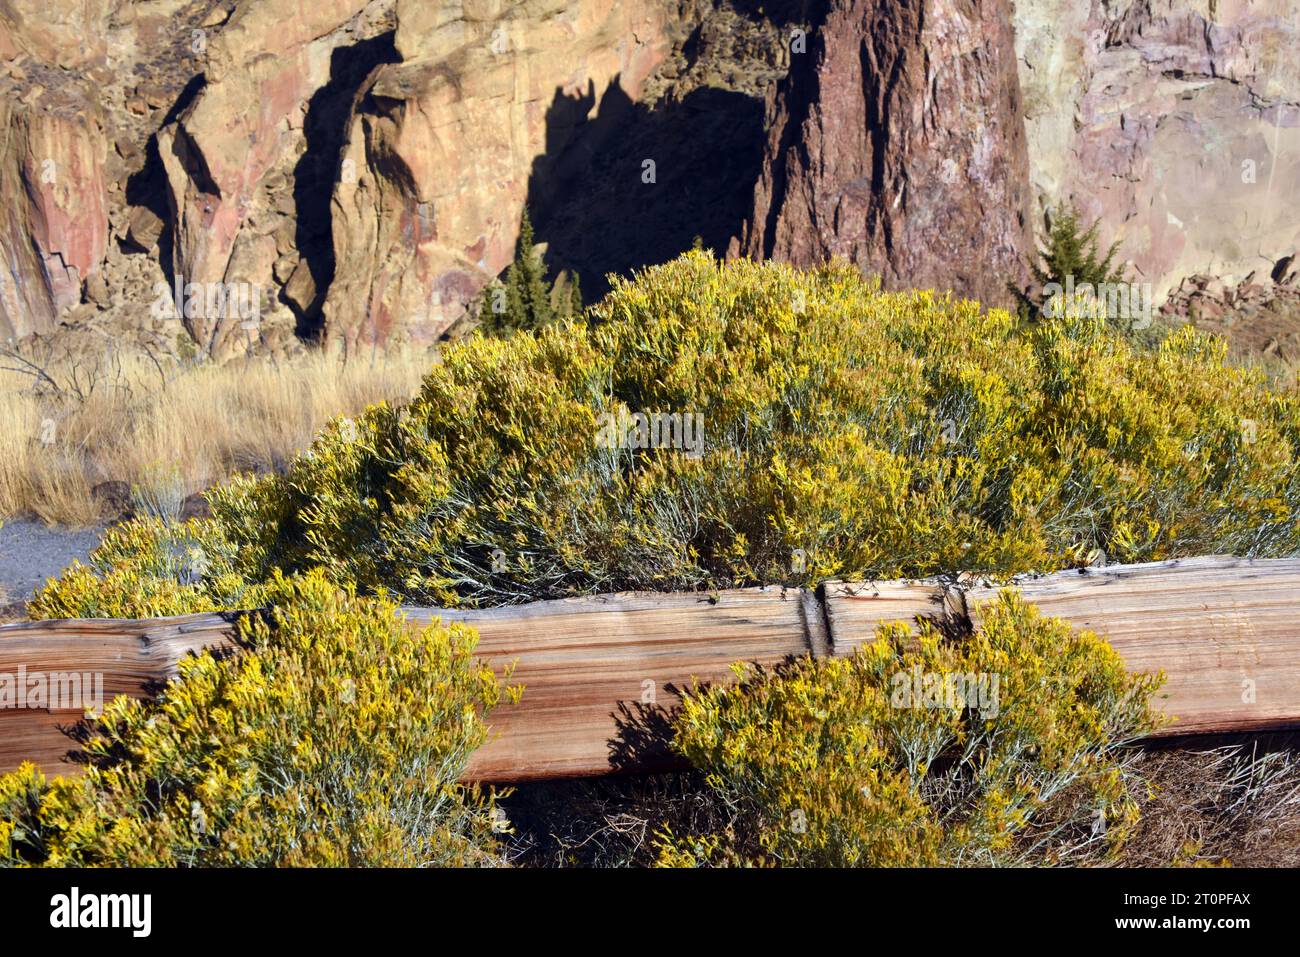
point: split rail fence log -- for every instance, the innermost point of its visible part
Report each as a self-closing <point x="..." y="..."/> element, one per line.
<point x="600" y="674"/>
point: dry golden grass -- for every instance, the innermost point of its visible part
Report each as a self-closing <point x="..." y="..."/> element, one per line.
<point x="1236" y="803"/>
<point x="167" y="432"/>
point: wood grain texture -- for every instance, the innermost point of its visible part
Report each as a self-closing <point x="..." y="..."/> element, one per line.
<point x="856" y="609"/>
<point x="124" y="657"/>
<point x="600" y="674"/>
<point x="1226" y="632"/>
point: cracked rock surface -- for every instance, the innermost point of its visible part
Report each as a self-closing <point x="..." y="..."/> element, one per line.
<point x="364" y="163"/>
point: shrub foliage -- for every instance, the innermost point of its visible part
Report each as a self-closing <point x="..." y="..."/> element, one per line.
<point x="872" y="434"/>
<point x="847" y="432"/>
<point x="337" y="740"/>
<point x="826" y="763"/>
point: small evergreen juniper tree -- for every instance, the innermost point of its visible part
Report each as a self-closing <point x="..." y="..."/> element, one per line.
<point x="575" y="295"/>
<point x="1070" y="251"/>
<point x="526" y="303"/>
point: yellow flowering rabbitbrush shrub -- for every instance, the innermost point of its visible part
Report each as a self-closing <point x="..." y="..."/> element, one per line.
<point x="149" y="568"/>
<point x="337" y="739"/>
<point x="1002" y="747"/>
<point x="879" y="434"/>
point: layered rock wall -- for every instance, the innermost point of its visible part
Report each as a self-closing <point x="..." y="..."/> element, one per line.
<point x="1176" y="123"/>
<point x="364" y="163"/>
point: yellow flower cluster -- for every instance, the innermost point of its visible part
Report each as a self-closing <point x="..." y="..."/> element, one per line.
<point x="869" y="434"/>
<point x="337" y="740"/>
<point x="831" y="763"/>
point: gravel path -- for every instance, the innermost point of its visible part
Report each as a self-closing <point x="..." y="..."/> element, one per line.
<point x="31" y="553"/>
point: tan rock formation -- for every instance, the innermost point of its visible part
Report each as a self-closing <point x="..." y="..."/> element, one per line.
<point x="54" y="33"/>
<point x="261" y="69"/>
<point x="437" y="163"/>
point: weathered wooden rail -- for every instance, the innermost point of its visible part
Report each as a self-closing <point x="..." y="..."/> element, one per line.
<point x="600" y="673"/>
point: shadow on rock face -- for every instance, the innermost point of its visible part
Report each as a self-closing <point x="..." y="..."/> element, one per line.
<point x="325" y="126"/>
<point x="782" y="12"/>
<point x="146" y="188"/>
<point x="635" y="185"/>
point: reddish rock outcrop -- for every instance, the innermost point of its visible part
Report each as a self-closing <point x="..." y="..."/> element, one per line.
<point x="53" y="150"/>
<point x="898" y="142"/>
<point x="54" y="221"/>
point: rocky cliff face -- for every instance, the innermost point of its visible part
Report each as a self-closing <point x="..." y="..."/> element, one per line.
<point x="230" y="153"/>
<point x="1174" y="122"/>
<point x="87" y="85"/>
<point x="53" y="195"/>
<point x="898" y="142"/>
<point x="363" y="163"/>
<point x="441" y="146"/>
